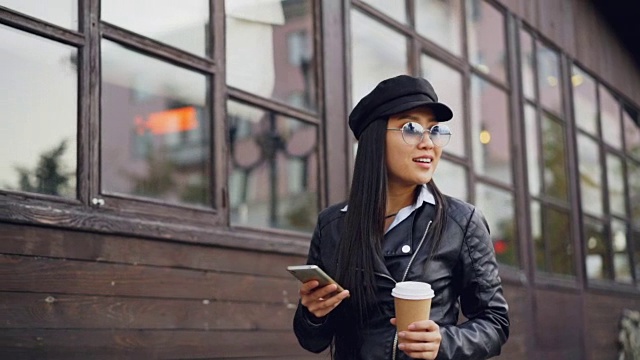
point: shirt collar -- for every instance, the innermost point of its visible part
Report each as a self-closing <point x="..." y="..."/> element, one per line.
<point x="425" y="195"/>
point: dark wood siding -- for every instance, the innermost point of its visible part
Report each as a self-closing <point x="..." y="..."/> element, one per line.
<point x="68" y="294"/>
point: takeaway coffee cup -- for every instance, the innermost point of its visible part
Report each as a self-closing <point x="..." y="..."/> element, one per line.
<point x="413" y="303"/>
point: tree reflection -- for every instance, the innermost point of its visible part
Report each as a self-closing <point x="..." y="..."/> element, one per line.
<point x="49" y="176"/>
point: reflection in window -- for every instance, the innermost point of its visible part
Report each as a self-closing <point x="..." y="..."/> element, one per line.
<point x="598" y="263"/>
<point x="533" y="157"/>
<point x="584" y="101"/>
<point x="633" y="178"/>
<point x="497" y="206"/>
<point x="621" y="264"/>
<point x="270" y="50"/>
<point x="183" y="26"/>
<point x="448" y="85"/>
<point x="557" y="235"/>
<point x="615" y="182"/>
<point x="274" y="169"/>
<point x="394" y="9"/>
<point x="38" y="151"/>
<point x="527" y="61"/>
<point x="377" y="53"/>
<point x="452" y="179"/>
<point x="59" y="12"/>
<point x="632" y="132"/>
<point x="486" y="39"/>
<point x="440" y="21"/>
<point x="553" y="156"/>
<point x="537" y="236"/>
<point x="590" y="174"/>
<point x="549" y="79"/>
<point x="610" y="118"/>
<point x="490" y="131"/>
<point x="154" y="128"/>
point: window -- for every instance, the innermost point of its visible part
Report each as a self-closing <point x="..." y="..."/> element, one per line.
<point x="606" y="226"/>
<point x="40" y="114"/>
<point x="272" y="113"/>
<point x="546" y="157"/>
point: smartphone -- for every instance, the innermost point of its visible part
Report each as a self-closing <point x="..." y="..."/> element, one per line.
<point x="306" y="273"/>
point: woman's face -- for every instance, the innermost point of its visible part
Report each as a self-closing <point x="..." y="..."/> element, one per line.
<point x="411" y="164"/>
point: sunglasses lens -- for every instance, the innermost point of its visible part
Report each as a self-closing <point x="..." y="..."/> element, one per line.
<point x="440" y="135"/>
<point x="412" y="133"/>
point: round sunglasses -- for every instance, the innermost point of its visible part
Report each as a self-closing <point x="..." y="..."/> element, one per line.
<point x="413" y="134"/>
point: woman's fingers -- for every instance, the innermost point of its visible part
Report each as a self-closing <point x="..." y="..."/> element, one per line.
<point x="424" y="340"/>
<point x="321" y="301"/>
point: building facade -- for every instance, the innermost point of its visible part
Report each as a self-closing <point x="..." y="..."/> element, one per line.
<point x="163" y="162"/>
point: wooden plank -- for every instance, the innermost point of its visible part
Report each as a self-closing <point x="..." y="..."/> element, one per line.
<point x="25" y="274"/>
<point x="60" y="311"/>
<point x="558" y="327"/>
<point x="520" y="328"/>
<point x="147" y="344"/>
<point x="36" y="241"/>
<point x="602" y="323"/>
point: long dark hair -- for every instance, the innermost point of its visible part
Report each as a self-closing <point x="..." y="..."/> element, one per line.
<point x="363" y="232"/>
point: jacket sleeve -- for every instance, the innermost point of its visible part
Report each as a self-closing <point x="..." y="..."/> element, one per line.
<point x="481" y="300"/>
<point x="314" y="334"/>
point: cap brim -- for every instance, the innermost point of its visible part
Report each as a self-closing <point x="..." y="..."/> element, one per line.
<point x="440" y="111"/>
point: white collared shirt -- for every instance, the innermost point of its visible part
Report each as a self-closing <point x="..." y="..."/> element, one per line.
<point x="425" y="195"/>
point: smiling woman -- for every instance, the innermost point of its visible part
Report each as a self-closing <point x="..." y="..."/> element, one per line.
<point x="370" y="243"/>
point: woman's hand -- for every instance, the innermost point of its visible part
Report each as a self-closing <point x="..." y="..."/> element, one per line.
<point x="426" y="335"/>
<point x="320" y="301"/>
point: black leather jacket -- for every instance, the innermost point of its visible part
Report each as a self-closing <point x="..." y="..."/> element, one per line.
<point x="463" y="274"/>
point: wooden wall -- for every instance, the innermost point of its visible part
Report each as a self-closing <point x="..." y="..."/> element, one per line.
<point x="68" y="294"/>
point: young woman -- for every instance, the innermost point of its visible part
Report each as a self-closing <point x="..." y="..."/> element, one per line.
<point x="397" y="226"/>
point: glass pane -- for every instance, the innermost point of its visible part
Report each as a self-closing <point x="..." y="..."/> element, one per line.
<point x="59" y="12"/>
<point x="182" y="25"/>
<point x="38" y="149"/>
<point x="448" y="85"/>
<point x="549" y="79"/>
<point x="615" y="181"/>
<point x="270" y="50"/>
<point x="377" y="53"/>
<point x="155" y="128"/>
<point x="598" y="262"/>
<point x="553" y="156"/>
<point x="537" y="237"/>
<point x="395" y="9"/>
<point x="441" y="22"/>
<point x="584" y="101"/>
<point x="497" y="206"/>
<point x="633" y="178"/>
<point x="558" y="241"/>
<point x="590" y="175"/>
<point x="490" y="131"/>
<point x="533" y="157"/>
<point x="632" y="131"/>
<point x="527" y="61"/>
<point x="635" y="236"/>
<point x="610" y="118"/>
<point x="451" y="178"/>
<point x="274" y="169"/>
<point x="486" y="39"/>
<point x="621" y="264"/>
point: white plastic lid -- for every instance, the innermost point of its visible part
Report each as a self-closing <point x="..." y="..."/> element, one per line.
<point x="412" y="290"/>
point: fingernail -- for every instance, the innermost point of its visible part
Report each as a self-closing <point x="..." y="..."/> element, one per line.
<point x="401" y="334"/>
<point x="401" y="346"/>
<point x="411" y="327"/>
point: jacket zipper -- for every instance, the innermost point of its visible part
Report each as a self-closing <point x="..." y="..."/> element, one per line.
<point x="406" y="271"/>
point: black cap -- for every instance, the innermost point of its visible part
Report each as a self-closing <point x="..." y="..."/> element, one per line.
<point x="393" y="96"/>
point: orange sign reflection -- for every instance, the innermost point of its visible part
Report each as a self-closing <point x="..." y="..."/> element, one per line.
<point x="168" y="121"/>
